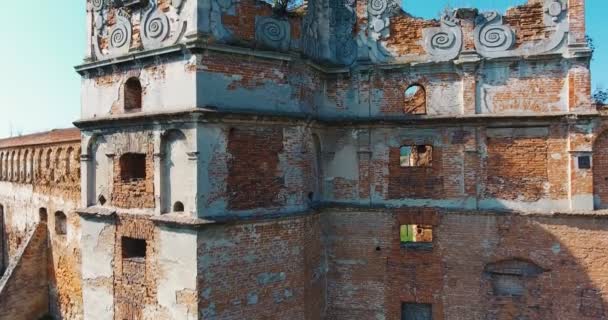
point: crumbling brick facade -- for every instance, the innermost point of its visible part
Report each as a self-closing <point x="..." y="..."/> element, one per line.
<point x="273" y="162"/>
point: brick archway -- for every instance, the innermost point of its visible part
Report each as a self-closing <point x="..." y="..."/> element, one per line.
<point x="600" y="171"/>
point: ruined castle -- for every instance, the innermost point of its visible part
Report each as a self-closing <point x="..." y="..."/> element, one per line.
<point x="345" y="160"/>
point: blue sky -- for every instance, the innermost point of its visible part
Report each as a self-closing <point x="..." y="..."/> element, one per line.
<point x="43" y="40"/>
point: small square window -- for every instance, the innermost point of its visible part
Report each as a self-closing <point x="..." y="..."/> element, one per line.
<point x="416" y="311"/>
<point x="416" y="235"/>
<point x="133" y="167"/>
<point x="584" y="162"/>
<point x="133" y="248"/>
<point x="416" y="156"/>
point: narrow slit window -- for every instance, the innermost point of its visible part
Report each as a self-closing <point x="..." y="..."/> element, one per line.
<point x="42" y="214"/>
<point x="61" y="226"/>
<point x="416" y="156"/>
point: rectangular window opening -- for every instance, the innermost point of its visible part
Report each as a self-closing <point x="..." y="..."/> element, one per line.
<point x="416" y="156"/>
<point x="416" y="311"/>
<point x="134" y="249"/>
<point x="133" y="167"/>
<point x="416" y="235"/>
<point x="584" y="162"/>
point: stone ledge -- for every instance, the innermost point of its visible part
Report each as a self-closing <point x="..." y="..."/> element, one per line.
<point x="179" y="219"/>
<point x="97" y="212"/>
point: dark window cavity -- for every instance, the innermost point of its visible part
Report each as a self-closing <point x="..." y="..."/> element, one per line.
<point x="61" y="226"/>
<point x="133" y="95"/>
<point x="416" y="311"/>
<point x="133" y="248"/>
<point x="584" y="162"/>
<point x="133" y="167"/>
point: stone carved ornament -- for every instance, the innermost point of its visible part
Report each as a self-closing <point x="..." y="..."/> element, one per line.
<point x="494" y="39"/>
<point x="444" y="42"/>
<point x="157" y="30"/>
<point x="441" y="43"/>
<point x="273" y="33"/>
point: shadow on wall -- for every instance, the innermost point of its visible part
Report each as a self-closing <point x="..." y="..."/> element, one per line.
<point x="485" y="267"/>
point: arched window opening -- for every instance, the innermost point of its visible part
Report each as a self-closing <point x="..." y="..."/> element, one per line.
<point x="176" y="172"/>
<point x="133" y="95"/>
<point x="133" y="167"/>
<point x="415" y="100"/>
<point x="61" y="225"/>
<point x="178" y="207"/>
<point x="42" y="214"/>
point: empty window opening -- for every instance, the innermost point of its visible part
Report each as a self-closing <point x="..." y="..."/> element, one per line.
<point x="416" y="311"/>
<point x="133" y="167"/>
<point x="133" y="95"/>
<point x="42" y="214"/>
<point x="584" y="162"/>
<point x="416" y="236"/>
<point x="133" y="248"/>
<point x="178" y="207"/>
<point x="416" y="156"/>
<point x="415" y="100"/>
<point x="61" y="226"/>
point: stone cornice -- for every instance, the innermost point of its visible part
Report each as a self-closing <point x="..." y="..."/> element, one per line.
<point x="210" y="115"/>
<point x="198" y="45"/>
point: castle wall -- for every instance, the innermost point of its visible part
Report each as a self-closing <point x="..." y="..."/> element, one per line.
<point x="263" y="269"/>
<point x="554" y="265"/>
<point x="41" y="183"/>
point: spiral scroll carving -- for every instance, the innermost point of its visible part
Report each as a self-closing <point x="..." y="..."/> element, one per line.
<point x="273" y="33"/>
<point x="120" y="36"/>
<point x="273" y="30"/>
<point x="97" y="4"/>
<point x="444" y="42"/>
<point x="156" y="29"/>
<point x="492" y="35"/>
<point x="377" y="7"/>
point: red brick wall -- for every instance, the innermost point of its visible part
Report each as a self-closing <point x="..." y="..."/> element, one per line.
<point x="243" y="23"/>
<point x="600" y="171"/>
<point x="134" y="281"/>
<point x="517" y="168"/>
<point x="254" y="178"/>
<point x="262" y="269"/>
<point x="24" y="289"/>
<point x="134" y="193"/>
<point x="371" y="274"/>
